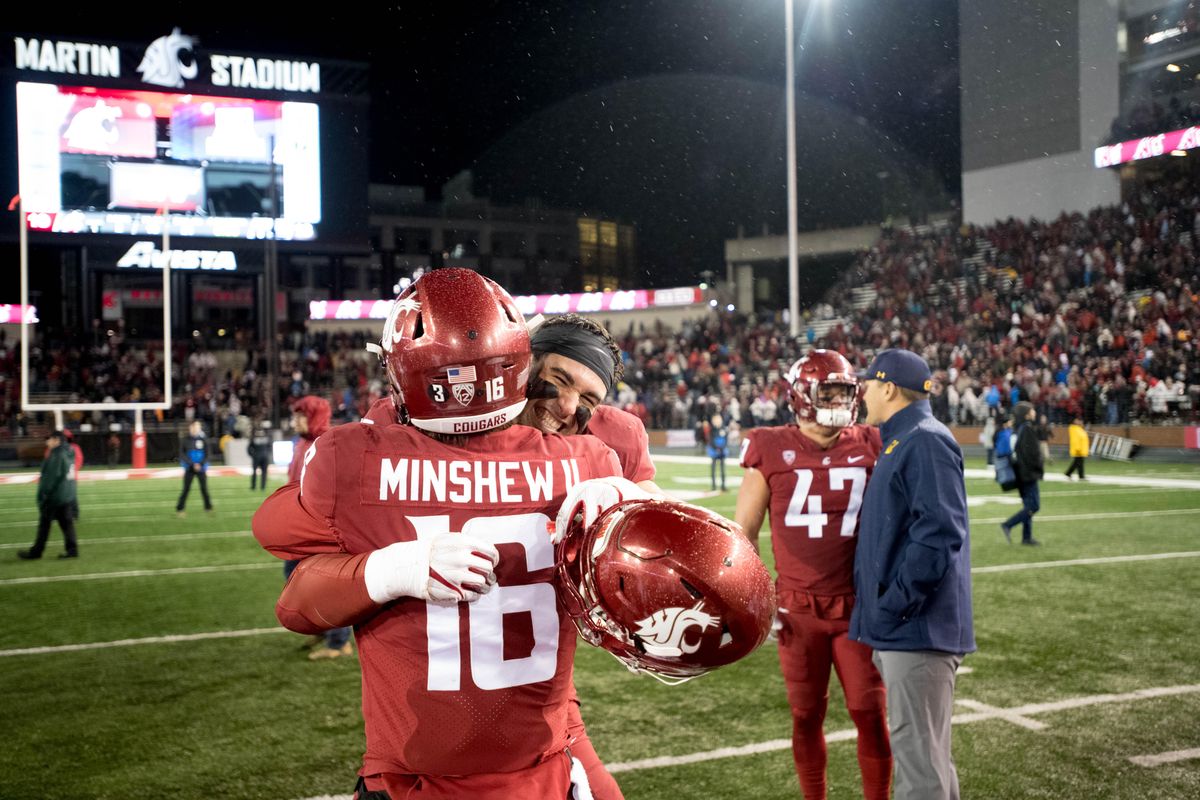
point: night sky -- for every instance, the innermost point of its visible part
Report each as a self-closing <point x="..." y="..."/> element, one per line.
<point x="661" y="113"/>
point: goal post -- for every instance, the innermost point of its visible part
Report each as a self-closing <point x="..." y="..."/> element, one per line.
<point x="139" y="435"/>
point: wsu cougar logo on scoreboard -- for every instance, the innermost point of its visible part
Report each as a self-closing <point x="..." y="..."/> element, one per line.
<point x="663" y="632"/>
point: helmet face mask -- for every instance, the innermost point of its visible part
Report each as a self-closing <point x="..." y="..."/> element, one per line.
<point x="456" y="352"/>
<point x="668" y="589"/>
<point x="823" y="389"/>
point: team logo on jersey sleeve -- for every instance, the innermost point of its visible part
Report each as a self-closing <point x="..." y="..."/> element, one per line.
<point x="662" y="633"/>
<point x="789" y="457"/>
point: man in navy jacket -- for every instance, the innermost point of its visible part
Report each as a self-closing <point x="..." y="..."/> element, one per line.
<point x="912" y="573"/>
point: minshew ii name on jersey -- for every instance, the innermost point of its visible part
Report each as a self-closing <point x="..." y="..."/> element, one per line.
<point x="424" y="480"/>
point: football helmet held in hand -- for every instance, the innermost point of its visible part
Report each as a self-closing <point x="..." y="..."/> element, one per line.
<point x="668" y="588"/>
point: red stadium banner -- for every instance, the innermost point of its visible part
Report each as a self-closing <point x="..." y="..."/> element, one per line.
<point x="1191" y="437"/>
<point x="11" y="314"/>
<point x="1148" y="147"/>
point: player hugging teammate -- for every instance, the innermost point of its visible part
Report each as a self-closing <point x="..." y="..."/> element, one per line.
<point x="427" y="528"/>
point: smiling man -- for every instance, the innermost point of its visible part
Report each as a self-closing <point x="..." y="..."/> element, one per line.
<point x="576" y="363"/>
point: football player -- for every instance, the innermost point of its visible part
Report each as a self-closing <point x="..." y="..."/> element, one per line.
<point x="430" y="536"/>
<point x="811" y="476"/>
<point x="576" y="364"/>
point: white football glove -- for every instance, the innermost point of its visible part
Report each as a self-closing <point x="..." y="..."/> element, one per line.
<point x="592" y="498"/>
<point x="447" y="568"/>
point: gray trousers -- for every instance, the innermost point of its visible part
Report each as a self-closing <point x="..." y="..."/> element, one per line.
<point x="920" y="703"/>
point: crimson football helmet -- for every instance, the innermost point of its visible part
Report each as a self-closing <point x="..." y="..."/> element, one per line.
<point x="667" y="588"/>
<point x="805" y="378"/>
<point x="456" y="352"/>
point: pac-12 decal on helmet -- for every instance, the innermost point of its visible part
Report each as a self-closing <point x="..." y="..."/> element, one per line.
<point x="813" y="383"/>
<point x="448" y="331"/>
<point x="668" y="588"/>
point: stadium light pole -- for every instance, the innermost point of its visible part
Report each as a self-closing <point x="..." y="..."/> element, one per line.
<point x="793" y="254"/>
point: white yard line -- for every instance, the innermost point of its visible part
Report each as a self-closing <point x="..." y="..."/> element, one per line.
<point x="1007" y="714"/>
<point x="139" y="573"/>
<point x="1105" y="480"/>
<point x="183" y="637"/>
<point x="165" y="504"/>
<point x="1166" y="758"/>
<point x="1075" y="562"/>
<point x="155" y="539"/>
<point x="153" y="473"/>
<point x="194" y="512"/>
<point x="1171" y="512"/>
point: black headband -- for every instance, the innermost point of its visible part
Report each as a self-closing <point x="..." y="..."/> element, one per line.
<point x="578" y="345"/>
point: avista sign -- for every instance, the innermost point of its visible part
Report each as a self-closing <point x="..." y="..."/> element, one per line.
<point x="171" y="61"/>
<point x="146" y="256"/>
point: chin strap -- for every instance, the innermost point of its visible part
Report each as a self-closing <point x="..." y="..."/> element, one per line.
<point x="636" y="670"/>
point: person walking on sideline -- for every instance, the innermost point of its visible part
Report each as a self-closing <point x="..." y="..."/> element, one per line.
<point x="1029" y="467"/>
<point x="912" y="573"/>
<point x="55" y="498"/>
<point x="193" y="456"/>
<point x="1078" y="443"/>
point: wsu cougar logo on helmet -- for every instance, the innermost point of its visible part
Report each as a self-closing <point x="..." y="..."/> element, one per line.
<point x="662" y="632"/>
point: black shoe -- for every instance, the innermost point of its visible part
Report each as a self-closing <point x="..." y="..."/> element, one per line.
<point x="1031" y="542"/>
<point x="1007" y="531"/>
<point x="28" y="555"/>
<point x="68" y="555"/>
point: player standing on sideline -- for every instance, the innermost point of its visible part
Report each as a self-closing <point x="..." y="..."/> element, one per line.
<point x="193" y="457"/>
<point x="378" y="512"/>
<point x="812" y="476"/>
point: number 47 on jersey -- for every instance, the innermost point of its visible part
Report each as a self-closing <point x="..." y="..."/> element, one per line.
<point x="805" y="510"/>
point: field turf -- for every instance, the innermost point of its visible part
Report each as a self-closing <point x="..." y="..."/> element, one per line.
<point x="1089" y="656"/>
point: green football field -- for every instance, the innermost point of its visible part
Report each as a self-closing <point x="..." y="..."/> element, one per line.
<point x="153" y="665"/>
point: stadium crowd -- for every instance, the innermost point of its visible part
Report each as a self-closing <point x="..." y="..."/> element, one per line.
<point x="1085" y="315"/>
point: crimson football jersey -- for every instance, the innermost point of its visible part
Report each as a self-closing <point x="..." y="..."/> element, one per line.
<point x="451" y="689"/>
<point x="815" y="499"/>
<point x="626" y="435"/>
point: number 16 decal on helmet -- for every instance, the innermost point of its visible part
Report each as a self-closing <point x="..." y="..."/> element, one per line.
<point x="668" y="588"/>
